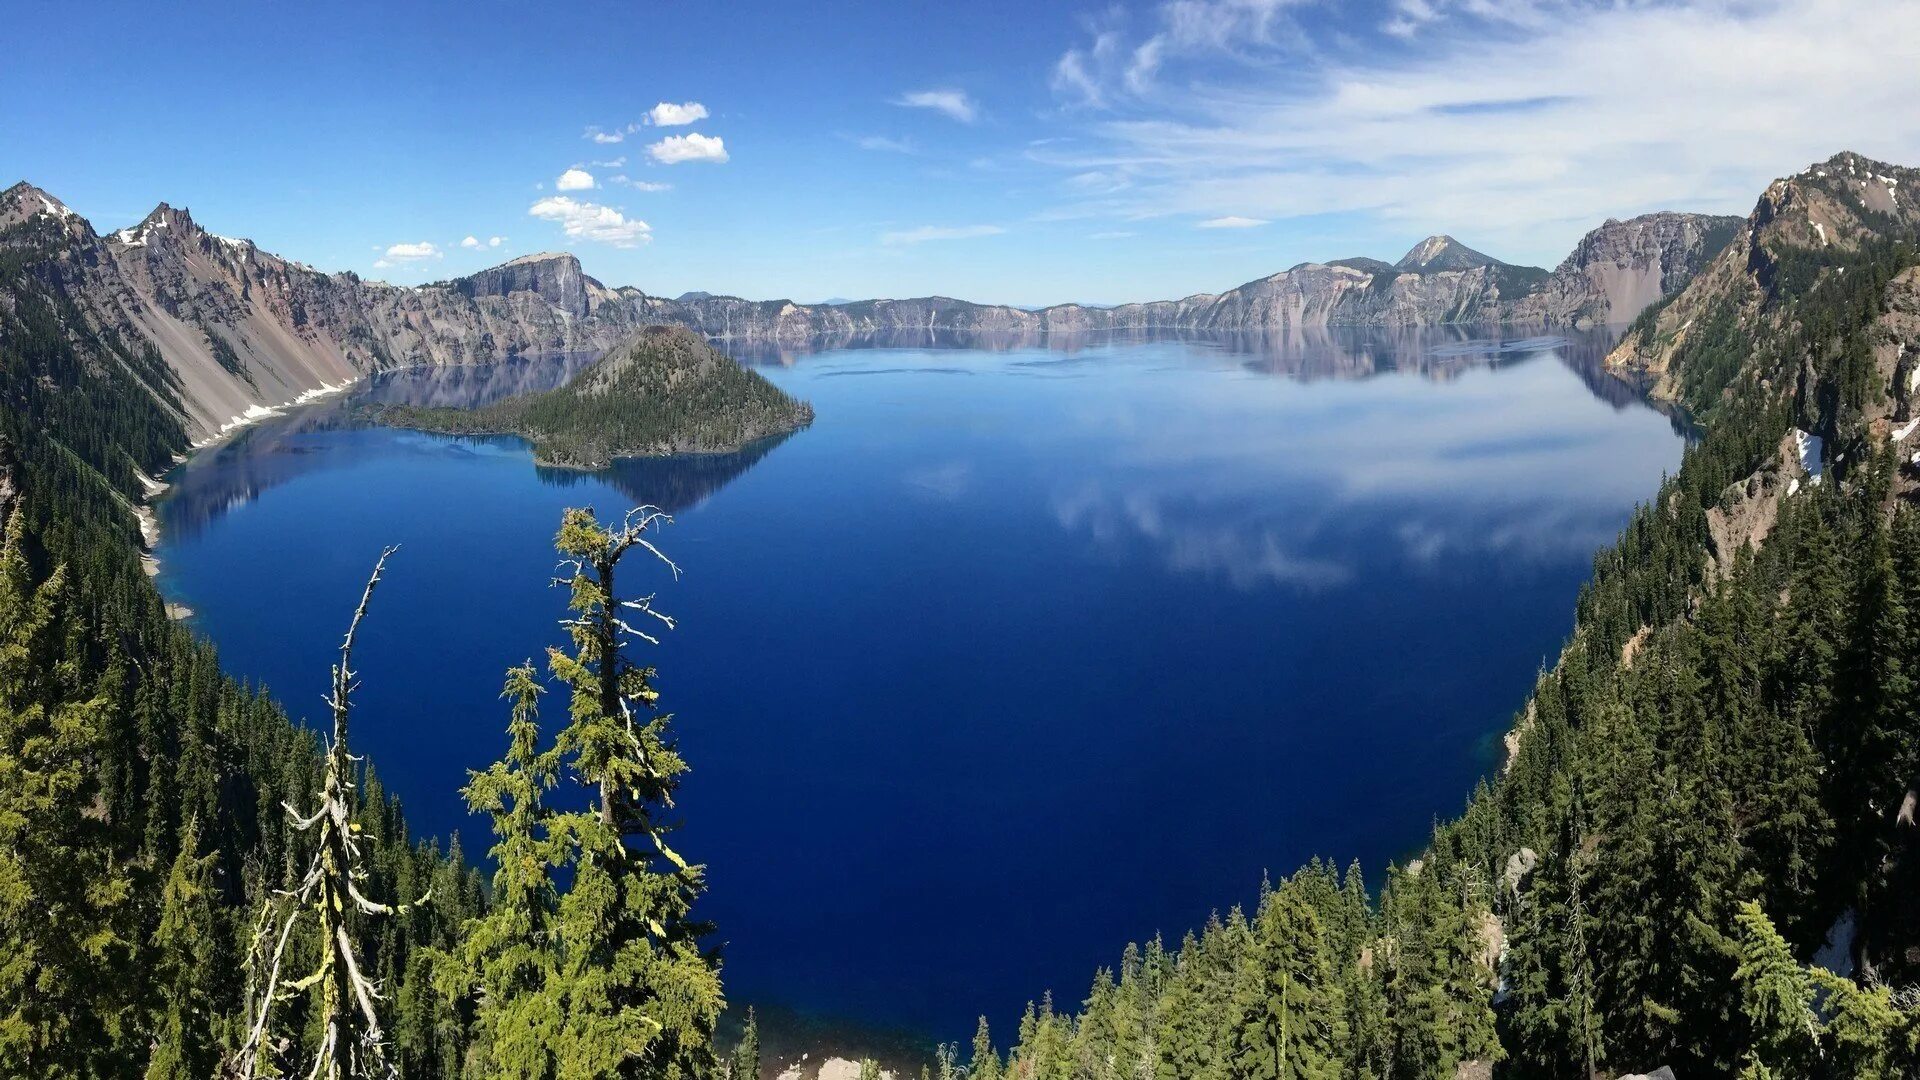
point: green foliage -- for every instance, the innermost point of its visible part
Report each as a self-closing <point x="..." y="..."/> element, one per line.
<point x="140" y="787"/>
<point x="746" y="1056"/>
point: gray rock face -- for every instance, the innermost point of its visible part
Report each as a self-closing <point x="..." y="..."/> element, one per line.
<point x="556" y="277"/>
<point x="245" y="330"/>
<point x="1621" y="267"/>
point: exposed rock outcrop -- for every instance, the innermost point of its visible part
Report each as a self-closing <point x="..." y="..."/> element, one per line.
<point x="1840" y="203"/>
<point x="1622" y="267"/>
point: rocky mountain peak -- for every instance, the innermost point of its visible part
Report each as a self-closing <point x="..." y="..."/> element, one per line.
<point x="1437" y="253"/>
<point x="165" y="225"/>
<point x="553" y="276"/>
<point x="24" y="201"/>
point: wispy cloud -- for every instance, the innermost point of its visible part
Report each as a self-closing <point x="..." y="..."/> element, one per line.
<point x="950" y="102"/>
<point x="591" y="221"/>
<point x="640" y="185"/>
<point x="1277" y="121"/>
<point x="474" y="243"/>
<point x="1111" y="65"/>
<point x="884" y="144"/>
<point x="925" y="233"/>
<point x="693" y="146"/>
<point x="1231" y="221"/>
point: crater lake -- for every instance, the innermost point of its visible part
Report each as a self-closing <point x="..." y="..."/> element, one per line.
<point x="1025" y="649"/>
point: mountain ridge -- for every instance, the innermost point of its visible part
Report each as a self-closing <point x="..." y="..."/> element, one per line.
<point x="246" y="331"/>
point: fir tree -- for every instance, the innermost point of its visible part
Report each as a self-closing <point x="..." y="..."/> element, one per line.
<point x="746" y="1056"/>
<point x="1288" y="1014"/>
<point x="507" y="957"/>
<point x="1776" y="999"/>
<point x="641" y="995"/>
<point x="187" y="965"/>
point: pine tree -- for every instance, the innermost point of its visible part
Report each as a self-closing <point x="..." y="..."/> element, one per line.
<point x="985" y="1062"/>
<point x="187" y="963"/>
<point x="507" y="958"/>
<point x="340" y="996"/>
<point x="1776" y="998"/>
<point x="642" y="997"/>
<point x="1288" y="1016"/>
<point x="65" y="935"/>
<point x="746" y="1056"/>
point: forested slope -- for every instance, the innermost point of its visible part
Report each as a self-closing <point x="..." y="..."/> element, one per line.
<point x="1714" y="783"/>
<point x="141" y="790"/>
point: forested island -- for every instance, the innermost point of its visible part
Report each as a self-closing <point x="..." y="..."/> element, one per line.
<point x="1702" y="853"/>
<point x="663" y="391"/>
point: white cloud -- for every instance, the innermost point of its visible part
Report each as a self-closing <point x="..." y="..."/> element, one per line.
<point x="885" y="144"/>
<point x="1527" y="153"/>
<point x="591" y="221"/>
<point x="470" y="242"/>
<point x="640" y="185"/>
<point x="1231" y="221"/>
<point x="610" y="163"/>
<point x="953" y="103"/>
<point x="693" y="146"/>
<point x="1114" y="234"/>
<point x="574" y="179"/>
<point x="495" y="241"/>
<point x="938" y="232"/>
<point x="667" y="114"/>
<point x="605" y="138"/>
<point x="402" y="254"/>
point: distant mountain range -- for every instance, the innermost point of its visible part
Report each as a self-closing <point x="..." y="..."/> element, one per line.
<point x="245" y="331"/>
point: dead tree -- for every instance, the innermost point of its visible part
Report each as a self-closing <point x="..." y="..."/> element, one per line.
<point x="352" y="1044"/>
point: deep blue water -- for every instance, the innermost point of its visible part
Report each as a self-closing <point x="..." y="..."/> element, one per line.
<point x="1022" y="651"/>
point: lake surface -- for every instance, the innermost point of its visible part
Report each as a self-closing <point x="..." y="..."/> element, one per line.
<point x="1027" y="648"/>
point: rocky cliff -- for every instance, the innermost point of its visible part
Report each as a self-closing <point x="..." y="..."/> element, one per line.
<point x="1693" y="348"/>
<point x="1622" y="267"/>
<point x="244" y="330"/>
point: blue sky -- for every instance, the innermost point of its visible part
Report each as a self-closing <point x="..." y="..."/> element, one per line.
<point x="1028" y="152"/>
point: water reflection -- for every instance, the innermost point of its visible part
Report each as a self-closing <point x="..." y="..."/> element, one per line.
<point x="283" y="448"/>
<point x="673" y="484"/>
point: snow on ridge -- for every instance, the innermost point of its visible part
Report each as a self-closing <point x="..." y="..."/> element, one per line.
<point x="256" y="413"/>
<point x="1809" y="448"/>
<point x="1900" y="433"/>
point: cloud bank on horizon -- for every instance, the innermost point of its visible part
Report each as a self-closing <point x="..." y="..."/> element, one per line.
<point x="1505" y="119"/>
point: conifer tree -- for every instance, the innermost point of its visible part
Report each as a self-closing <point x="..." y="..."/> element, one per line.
<point x="641" y="995"/>
<point x="1776" y="998"/>
<point x="985" y="1063"/>
<point x="65" y="936"/>
<point x="746" y="1056"/>
<point x="185" y="949"/>
<point x="506" y="960"/>
<point x="1288" y="1016"/>
<point x="340" y="995"/>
